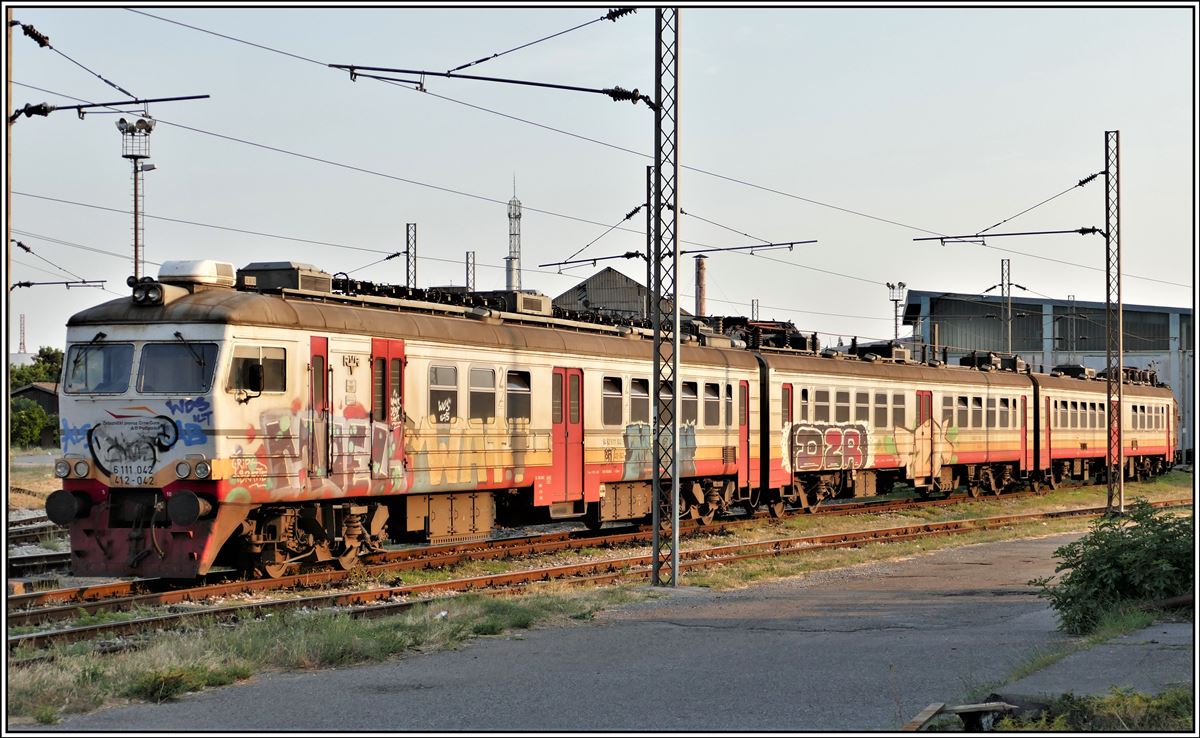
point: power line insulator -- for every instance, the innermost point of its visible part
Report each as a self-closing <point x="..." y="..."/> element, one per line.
<point x="36" y="35"/>
<point x="615" y="13"/>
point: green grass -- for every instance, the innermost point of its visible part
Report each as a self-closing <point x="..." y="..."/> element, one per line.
<point x="1120" y="710"/>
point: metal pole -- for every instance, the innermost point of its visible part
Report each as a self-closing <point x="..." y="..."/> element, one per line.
<point x="1114" y="320"/>
<point x="650" y="262"/>
<point x="754" y="308"/>
<point x="470" y="271"/>
<point x="701" y="307"/>
<point x="137" y="226"/>
<point x="410" y="257"/>
<point x="665" y="427"/>
<point x="1006" y="286"/>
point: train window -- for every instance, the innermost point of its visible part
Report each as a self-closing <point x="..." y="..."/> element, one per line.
<point x="99" y="367"/>
<point x="612" y="400"/>
<point x="177" y="367"/>
<point x="1003" y="417"/>
<point x="396" y="384"/>
<point x="573" y="397"/>
<point x="688" y="406"/>
<point x="1090" y="417"/>
<point x="556" y="399"/>
<point x="639" y="401"/>
<point x="483" y="395"/>
<point x="821" y="406"/>
<point x="712" y="404"/>
<point x="1062" y="414"/>
<point x="729" y="404"/>
<point x="804" y="405"/>
<point x="443" y="393"/>
<point x="843" y="407"/>
<point x="274" y="363"/>
<point x="519" y="392"/>
<point x="976" y="412"/>
<point x="1075" y="415"/>
<point x="991" y="412"/>
<point x="318" y="382"/>
<point x="948" y="410"/>
<point x="787" y="404"/>
<point x="963" y="414"/>
<point x="881" y="410"/>
<point x="898" y="407"/>
<point x="378" y="377"/>
<point x="862" y="407"/>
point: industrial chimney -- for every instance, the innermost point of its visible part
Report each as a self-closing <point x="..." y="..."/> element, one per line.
<point x="701" y="276"/>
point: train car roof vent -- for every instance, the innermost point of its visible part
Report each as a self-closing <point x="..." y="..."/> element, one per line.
<point x="205" y="272"/>
<point x="1079" y="371"/>
<point x="270" y="276"/>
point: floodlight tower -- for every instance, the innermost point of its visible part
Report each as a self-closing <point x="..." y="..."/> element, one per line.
<point x="135" y="146"/>
<point x="513" y="272"/>
<point x="896" y="295"/>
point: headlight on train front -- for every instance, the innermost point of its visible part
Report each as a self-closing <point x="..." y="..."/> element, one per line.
<point x="139" y="294"/>
<point x="62" y="468"/>
<point x="203" y="469"/>
<point x="183" y="469"/>
<point x="81" y="468"/>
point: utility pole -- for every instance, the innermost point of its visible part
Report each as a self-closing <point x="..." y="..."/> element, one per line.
<point x="754" y="308"/>
<point x="410" y="257"/>
<point x="665" y="255"/>
<point x="1006" y="293"/>
<point x="1114" y="319"/>
<point x="896" y="295"/>
<point x="470" y="271"/>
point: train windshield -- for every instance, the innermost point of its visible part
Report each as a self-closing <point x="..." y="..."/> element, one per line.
<point x="99" y="368"/>
<point x="177" y="367"/>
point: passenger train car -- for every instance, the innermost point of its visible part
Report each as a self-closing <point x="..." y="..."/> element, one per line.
<point x="278" y="415"/>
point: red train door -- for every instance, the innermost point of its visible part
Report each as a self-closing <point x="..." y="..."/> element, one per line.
<point x="743" y="456"/>
<point x="1024" y="438"/>
<point x="318" y="407"/>
<point x="567" y="435"/>
<point x="387" y="409"/>
<point x="1046" y="461"/>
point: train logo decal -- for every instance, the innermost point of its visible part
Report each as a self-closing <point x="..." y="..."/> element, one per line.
<point x="823" y="446"/>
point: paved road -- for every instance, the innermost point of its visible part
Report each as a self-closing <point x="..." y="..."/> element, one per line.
<point x="854" y="650"/>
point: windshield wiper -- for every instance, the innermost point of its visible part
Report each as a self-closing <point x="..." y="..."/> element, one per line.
<point x="79" y="356"/>
<point x="199" y="359"/>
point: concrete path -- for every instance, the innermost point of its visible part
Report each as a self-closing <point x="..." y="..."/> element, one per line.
<point x="853" y="650"/>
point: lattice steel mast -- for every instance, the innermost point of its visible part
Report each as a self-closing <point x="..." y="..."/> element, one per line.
<point x="1114" y="322"/>
<point x="410" y="257"/>
<point x="665" y="273"/>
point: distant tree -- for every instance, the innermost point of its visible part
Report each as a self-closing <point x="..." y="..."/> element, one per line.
<point x="27" y="419"/>
<point x="46" y="367"/>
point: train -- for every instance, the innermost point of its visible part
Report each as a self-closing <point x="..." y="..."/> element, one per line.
<point x="278" y="416"/>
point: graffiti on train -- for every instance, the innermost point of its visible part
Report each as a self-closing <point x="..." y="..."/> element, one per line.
<point x="131" y="442"/>
<point x="816" y="446"/>
<point x="639" y="454"/>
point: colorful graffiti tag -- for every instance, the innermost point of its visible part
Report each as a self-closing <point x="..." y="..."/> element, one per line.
<point x="822" y="446"/>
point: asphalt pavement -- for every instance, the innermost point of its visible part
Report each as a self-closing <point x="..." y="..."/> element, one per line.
<point x="859" y="649"/>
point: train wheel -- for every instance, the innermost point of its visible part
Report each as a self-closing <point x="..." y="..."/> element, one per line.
<point x="776" y="508"/>
<point x="349" y="559"/>
<point x="705" y="514"/>
<point x="752" y="504"/>
<point x="592" y="518"/>
<point x="989" y="482"/>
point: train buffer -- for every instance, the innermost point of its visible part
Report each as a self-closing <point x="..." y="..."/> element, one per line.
<point x="977" y="717"/>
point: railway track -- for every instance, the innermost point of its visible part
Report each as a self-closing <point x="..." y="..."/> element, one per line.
<point x="34" y="532"/>
<point x="388" y="600"/>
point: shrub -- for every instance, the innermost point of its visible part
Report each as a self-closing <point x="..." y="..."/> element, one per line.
<point x="26" y="421"/>
<point x="1143" y="555"/>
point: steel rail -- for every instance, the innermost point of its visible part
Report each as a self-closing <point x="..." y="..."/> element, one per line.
<point x="607" y="569"/>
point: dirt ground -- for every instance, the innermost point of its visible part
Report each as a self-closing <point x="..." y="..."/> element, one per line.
<point x="30" y="480"/>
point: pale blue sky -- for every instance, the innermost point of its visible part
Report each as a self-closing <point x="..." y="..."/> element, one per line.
<point x="940" y="119"/>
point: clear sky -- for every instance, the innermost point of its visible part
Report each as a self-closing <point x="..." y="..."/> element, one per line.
<point x="940" y="120"/>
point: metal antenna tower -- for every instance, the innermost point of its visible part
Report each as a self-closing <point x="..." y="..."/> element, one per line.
<point x="512" y="281"/>
<point x="410" y="258"/>
<point x="665" y="389"/>
<point x="470" y="271"/>
<point x="21" y="347"/>
<point x="1114" y="322"/>
<point x="1006" y="293"/>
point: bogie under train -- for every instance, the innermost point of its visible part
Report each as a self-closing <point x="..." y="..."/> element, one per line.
<point x="279" y="416"/>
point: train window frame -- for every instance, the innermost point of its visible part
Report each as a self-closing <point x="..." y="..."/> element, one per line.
<point x="612" y="398"/>
<point x="729" y="415"/>
<point x="899" y="410"/>
<point x="519" y="395"/>
<point x="862" y="408"/>
<point x="712" y="404"/>
<point x="556" y="403"/>
<point x="233" y="382"/>
<point x="483" y="393"/>
<point x="440" y="390"/>
<point x="841" y="408"/>
<point x="1063" y="422"/>
<point x="1002" y="415"/>
<point x="689" y="403"/>
<point x="821" y="411"/>
<point x="378" y="386"/>
<point x="963" y="406"/>
<point x="79" y="354"/>
<point x="948" y="410"/>
<point x="188" y="355"/>
<point x="804" y="404"/>
<point x="880" y="405"/>
<point x="639" y="393"/>
<point x="990" y="417"/>
<point x="976" y="411"/>
<point x="785" y="393"/>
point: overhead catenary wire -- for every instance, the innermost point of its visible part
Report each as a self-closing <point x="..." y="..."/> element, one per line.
<point x="685" y="167"/>
<point x="611" y="15"/>
<point x="30" y="251"/>
<point x="1080" y="183"/>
